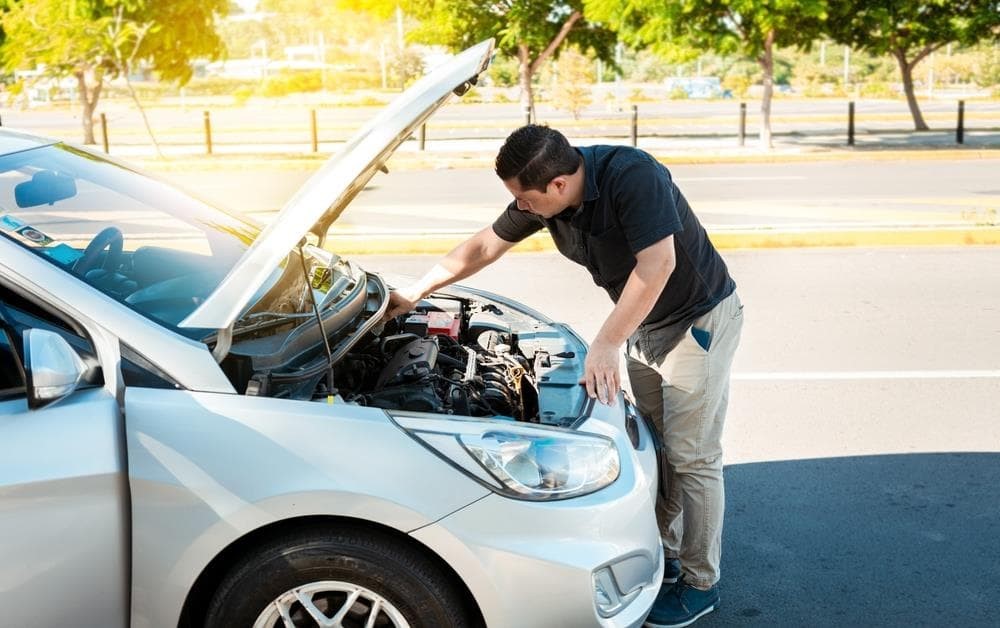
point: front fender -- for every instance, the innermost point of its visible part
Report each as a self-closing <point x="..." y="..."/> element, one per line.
<point x="207" y="469"/>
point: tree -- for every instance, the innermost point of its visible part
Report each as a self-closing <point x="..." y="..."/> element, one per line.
<point x="98" y="40"/>
<point x="684" y="28"/>
<point x="910" y="30"/>
<point x="571" y="84"/>
<point x="532" y="31"/>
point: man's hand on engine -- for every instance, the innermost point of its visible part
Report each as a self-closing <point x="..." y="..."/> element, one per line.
<point x="401" y="301"/>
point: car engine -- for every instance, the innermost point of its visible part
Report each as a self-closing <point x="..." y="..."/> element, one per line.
<point x="430" y="368"/>
<point x="454" y="354"/>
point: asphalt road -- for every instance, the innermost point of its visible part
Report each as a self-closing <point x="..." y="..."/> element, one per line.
<point x="863" y="439"/>
<point x="778" y="194"/>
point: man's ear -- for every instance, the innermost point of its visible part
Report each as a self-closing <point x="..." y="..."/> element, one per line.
<point x="560" y="182"/>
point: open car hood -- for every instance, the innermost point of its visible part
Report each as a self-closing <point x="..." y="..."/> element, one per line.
<point x="325" y="195"/>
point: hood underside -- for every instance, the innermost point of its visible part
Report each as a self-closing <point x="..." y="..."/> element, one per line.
<point x="325" y="195"/>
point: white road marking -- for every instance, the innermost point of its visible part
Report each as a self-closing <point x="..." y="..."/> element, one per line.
<point x="779" y="376"/>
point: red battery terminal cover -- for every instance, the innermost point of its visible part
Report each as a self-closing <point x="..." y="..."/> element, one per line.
<point x="443" y="323"/>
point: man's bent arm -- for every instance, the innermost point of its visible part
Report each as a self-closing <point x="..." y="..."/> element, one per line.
<point x="466" y="259"/>
<point x="653" y="267"/>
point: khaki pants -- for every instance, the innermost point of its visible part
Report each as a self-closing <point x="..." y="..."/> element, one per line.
<point x="685" y="393"/>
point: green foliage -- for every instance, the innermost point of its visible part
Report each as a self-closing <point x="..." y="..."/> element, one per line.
<point x="989" y="68"/>
<point x="644" y="66"/>
<point x="285" y="83"/>
<point x="912" y="29"/>
<point x="503" y="71"/>
<point x="878" y="89"/>
<point x="738" y="84"/>
<point x="459" y="24"/>
<point x="682" y="29"/>
<point x="574" y="74"/>
<point x="81" y="35"/>
<point x="529" y="30"/>
<point x="677" y="93"/>
<point x="242" y="94"/>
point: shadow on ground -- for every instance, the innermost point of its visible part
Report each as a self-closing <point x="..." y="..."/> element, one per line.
<point x="893" y="540"/>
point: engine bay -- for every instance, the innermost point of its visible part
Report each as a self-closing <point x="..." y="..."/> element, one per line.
<point x="454" y="354"/>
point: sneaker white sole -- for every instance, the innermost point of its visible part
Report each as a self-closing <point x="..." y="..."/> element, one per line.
<point x="708" y="610"/>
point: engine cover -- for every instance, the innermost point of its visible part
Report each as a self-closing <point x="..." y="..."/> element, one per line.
<point x="415" y="361"/>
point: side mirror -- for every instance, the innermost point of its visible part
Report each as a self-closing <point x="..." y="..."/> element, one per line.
<point x="52" y="368"/>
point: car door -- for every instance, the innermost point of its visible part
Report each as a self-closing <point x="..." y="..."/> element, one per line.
<point x="63" y="496"/>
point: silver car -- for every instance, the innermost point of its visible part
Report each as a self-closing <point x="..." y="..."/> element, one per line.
<point x="206" y="422"/>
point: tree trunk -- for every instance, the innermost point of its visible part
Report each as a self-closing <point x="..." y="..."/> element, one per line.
<point x="767" y="65"/>
<point x="524" y="73"/>
<point x="528" y="66"/>
<point x="89" y="96"/>
<point x="906" y="69"/>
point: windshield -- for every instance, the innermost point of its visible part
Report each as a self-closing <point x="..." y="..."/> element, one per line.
<point x="138" y="240"/>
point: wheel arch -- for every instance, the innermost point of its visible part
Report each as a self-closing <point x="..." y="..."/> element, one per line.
<point x="200" y="594"/>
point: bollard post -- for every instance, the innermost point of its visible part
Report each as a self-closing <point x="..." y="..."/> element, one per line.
<point x="527" y="115"/>
<point x="208" y="133"/>
<point x="1" y="121"/>
<point x="422" y="136"/>
<point x="743" y="124"/>
<point x="635" y="126"/>
<point x="104" y="133"/>
<point x="850" y="123"/>
<point x="960" y="130"/>
<point x="315" y="134"/>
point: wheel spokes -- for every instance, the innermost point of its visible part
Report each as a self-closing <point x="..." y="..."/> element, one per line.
<point x="342" y="613"/>
<point x="302" y="601"/>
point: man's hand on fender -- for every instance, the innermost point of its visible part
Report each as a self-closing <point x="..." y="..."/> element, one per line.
<point x="601" y="375"/>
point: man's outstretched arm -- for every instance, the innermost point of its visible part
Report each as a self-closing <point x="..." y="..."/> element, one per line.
<point x="653" y="267"/>
<point x="464" y="260"/>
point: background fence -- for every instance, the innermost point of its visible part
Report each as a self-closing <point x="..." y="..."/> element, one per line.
<point x="288" y="128"/>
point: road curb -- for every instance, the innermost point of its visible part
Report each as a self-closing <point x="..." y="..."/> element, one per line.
<point x="441" y="243"/>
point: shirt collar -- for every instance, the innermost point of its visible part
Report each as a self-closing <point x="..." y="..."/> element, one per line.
<point x="590" y="193"/>
<point x="580" y="216"/>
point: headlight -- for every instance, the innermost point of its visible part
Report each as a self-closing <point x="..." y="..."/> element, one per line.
<point x="533" y="463"/>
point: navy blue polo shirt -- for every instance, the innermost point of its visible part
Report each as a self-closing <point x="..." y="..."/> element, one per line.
<point x="629" y="203"/>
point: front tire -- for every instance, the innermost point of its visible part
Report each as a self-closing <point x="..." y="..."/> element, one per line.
<point x="349" y="577"/>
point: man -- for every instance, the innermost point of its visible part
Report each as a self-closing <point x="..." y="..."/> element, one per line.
<point x="615" y="210"/>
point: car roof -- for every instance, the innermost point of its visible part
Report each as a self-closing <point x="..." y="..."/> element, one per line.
<point x="13" y="141"/>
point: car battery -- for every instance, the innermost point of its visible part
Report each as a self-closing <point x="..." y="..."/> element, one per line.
<point x="433" y="323"/>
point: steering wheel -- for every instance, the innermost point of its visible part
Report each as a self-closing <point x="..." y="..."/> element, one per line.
<point x="110" y="238"/>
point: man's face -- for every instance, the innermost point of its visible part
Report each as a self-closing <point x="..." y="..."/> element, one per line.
<point x="545" y="204"/>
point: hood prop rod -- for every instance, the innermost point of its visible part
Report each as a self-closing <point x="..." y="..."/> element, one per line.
<point x="331" y="391"/>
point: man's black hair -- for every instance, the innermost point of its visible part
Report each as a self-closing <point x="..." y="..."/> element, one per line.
<point x="535" y="155"/>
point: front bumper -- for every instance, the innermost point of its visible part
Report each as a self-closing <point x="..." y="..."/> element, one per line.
<point x="534" y="563"/>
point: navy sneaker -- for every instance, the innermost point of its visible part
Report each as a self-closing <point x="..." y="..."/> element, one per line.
<point x="680" y="604"/>
<point x="671" y="570"/>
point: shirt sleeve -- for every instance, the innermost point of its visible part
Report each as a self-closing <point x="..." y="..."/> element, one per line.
<point x="645" y="204"/>
<point x="514" y="225"/>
